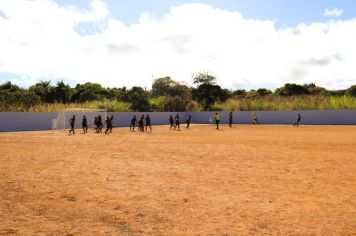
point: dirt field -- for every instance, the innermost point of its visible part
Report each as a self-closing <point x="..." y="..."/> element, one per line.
<point x="248" y="180"/>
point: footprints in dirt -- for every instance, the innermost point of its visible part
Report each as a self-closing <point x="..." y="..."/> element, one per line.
<point x="8" y="232"/>
<point x="69" y="198"/>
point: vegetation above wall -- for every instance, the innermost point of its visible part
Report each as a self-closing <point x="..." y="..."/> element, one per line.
<point x="169" y="95"/>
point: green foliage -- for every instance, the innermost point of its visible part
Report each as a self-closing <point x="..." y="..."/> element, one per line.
<point x="177" y="96"/>
<point x="44" y="90"/>
<point x="204" y="78"/>
<point x="239" y="93"/>
<point x="88" y="92"/>
<point x="139" y="99"/>
<point x="8" y="87"/>
<point x="208" y="94"/>
<point x="169" y="95"/>
<point x="20" y="100"/>
<point x="114" y="106"/>
<point x="159" y="103"/>
<point x="351" y="91"/>
<point x="288" y="103"/>
<point x="62" y="92"/>
<point x="163" y="87"/>
<point x="291" y="89"/>
<point x="316" y="90"/>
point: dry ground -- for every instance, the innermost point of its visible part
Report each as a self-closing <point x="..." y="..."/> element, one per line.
<point x="248" y="180"/>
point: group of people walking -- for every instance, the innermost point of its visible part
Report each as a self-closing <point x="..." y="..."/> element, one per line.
<point x="144" y="123"/>
<point x="175" y="122"/>
<point x="98" y="124"/>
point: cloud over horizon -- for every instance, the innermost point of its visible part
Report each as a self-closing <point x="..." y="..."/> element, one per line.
<point x="43" y="40"/>
<point x="336" y="12"/>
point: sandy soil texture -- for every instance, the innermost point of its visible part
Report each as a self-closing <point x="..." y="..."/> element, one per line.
<point x="246" y="180"/>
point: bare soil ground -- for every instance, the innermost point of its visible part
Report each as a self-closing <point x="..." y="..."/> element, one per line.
<point x="247" y="180"/>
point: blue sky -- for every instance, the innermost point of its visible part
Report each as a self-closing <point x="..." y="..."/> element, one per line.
<point x="246" y="44"/>
<point x="286" y="12"/>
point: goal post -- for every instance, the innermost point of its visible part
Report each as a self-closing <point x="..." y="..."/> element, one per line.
<point x="63" y="117"/>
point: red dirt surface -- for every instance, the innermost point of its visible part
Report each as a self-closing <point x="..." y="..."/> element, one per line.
<point x="247" y="180"/>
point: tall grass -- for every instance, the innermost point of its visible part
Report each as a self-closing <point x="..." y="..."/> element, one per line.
<point x="110" y="106"/>
<point x="273" y="103"/>
<point x="266" y="103"/>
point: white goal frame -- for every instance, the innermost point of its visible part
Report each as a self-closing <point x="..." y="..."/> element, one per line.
<point x="61" y="121"/>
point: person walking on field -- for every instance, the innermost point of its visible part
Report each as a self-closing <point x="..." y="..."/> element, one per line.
<point x="230" y="119"/>
<point x="217" y="120"/>
<point x="177" y="126"/>
<point x="141" y="123"/>
<point x="299" y="118"/>
<point x="99" y="125"/>
<point x="171" y="121"/>
<point x="85" y="124"/>
<point x="188" y="121"/>
<point x="108" y="123"/>
<point x="254" y="119"/>
<point x="133" y="123"/>
<point x="72" y="123"/>
<point x="148" y="123"/>
<point x="111" y="126"/>
<point x="95" y="124"/>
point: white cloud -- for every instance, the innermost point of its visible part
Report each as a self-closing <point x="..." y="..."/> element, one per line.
<point x="41" y="42"/>
<point x="333" y="12"/>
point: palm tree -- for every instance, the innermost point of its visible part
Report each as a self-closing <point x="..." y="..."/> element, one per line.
<point x="62" y="92"/>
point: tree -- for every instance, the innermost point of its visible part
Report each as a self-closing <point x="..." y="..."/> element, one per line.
<point x="291" y="89"/>
<point x="204" y="78"/>
<point x="351" y="91"/>
<point x="163" y="86"/>
<point x="208" y="92"/>
<point x="19" y="100"/>
<point x="176" y="103"/>
<point x="8" y="87"/>
<point x="139" y="99"/>
<point x="159" y="103"/>
<point x="239" y="93"/>
<point x="89" y="92"/>
<point x="177" y="95"/>
<point x="263" y="92"/>
<point x="43" y="90"/>
<point x="62" y="92"/>
<point x="316" y="90"/>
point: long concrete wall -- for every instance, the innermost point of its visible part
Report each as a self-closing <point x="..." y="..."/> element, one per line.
<point x="28" y="121"/>
<point x="312" y="117"/>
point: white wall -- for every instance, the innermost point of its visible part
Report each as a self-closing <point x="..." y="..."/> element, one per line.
<point x="309" y="117"/>
<point x="21" y="121"/>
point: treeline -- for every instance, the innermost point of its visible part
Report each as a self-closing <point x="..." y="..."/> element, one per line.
<point x="169" y="95"/>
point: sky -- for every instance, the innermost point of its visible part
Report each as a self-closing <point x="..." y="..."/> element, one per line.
<point x="246" y="44"/>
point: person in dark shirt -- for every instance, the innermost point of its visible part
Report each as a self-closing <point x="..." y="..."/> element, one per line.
<point x="111" y="126"/>
<point x="230" y="119"/>
<point x="133" y="123"/>
<point x="85" y="124"/>
<point x="108" y="125"/>
<point x="95" y="123"/>
<point x="171" y="121"/>
<point x="148" y="123"/>
<point x="100" y="125"/>
<point x="299" y="118"/>
<point x="188" y="121"/>
<point x="141" y="123"/>
<point x="177" y="125"/>
<point x="72" y="123"/>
